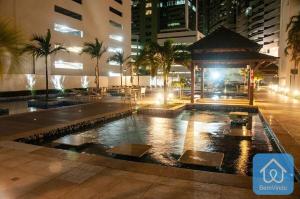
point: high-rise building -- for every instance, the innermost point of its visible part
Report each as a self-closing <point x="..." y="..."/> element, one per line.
<point x="289" y="77"/>
<point x="161" y="20"/>
<point x="259" y="20"/>
<point x="178" y="21"/>
<point x="264" y="24"/>
<point x="221" y="13"/>
<point x="72" y="23"/>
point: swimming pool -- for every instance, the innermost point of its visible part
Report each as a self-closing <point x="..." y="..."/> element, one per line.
<point x="171" y="137"/>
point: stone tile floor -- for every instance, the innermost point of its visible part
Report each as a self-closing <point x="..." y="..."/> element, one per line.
<point x="283" y="116"/>
<point x="29" y="174"/>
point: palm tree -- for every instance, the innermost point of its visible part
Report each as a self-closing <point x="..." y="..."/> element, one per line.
<point x="164" y="57"/>
<point x="293" y="40"/>
<point x="41" y="46"/>
<point x="10" y="42"/>
<point x="120" y="58"/>
<point x="95" y="50"/>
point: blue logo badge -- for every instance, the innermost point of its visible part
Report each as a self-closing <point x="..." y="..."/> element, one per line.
<point x="273" y="174"/>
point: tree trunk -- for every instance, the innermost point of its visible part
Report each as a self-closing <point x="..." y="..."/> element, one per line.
<point x="165" y="88"/>
<point x="121" y="74"/>
<point x="33" y="64"/>
<point x="97" y="75"/>
<point x="47" y="86"/>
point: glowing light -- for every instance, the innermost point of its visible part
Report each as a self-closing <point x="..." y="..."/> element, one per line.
<point x="68" y="30"/>
<point x="30" y="82"/>
<point x="75" y="49"/>
<point x="286" y="90"/>
<point x="215" y="75"/>
<point x="114" y="50"/>
<point x="84" y="82"/>
<point x="296" y="93"/>
<point x="68" y="65"/>
<point x="58" y="82"/>
<point x="170" y="96"/>
<point x="112" y="74"/>
<point x="215" y="97"/>
<point x="116" y="37"/>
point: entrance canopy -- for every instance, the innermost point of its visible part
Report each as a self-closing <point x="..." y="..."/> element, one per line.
<point x="224" y="48"/>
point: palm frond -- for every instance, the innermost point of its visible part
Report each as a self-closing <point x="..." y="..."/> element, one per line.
<point x="10" y="41"/>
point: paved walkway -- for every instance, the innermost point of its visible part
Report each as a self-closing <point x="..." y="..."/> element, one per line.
<point x="283" y="115"/>
<point x="28" y="172"/>
<point x="25" y="124"/>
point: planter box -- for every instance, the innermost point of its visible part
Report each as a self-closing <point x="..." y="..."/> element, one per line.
<point x="162" y="112"/>
<point x="43" y="104"/>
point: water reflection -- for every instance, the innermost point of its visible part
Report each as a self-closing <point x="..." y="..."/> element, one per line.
<point x="170" y="137"/>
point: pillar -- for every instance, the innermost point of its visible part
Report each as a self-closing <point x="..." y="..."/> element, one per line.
<point x="251" y="85"/>
<point x="202" y="82"/>
<point x="192" y="83"/>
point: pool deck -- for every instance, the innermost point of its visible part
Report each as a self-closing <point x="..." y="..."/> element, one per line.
<point x="28" y="171"/>
<point x="283" y="116"/>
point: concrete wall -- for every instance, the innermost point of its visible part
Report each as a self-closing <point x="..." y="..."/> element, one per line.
<point x="289" y="8"/>
<point x="36" y="16"/>
<point x="19" y="82"/>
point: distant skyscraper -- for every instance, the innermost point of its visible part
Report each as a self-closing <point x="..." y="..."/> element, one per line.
<point x="161" y="20"/>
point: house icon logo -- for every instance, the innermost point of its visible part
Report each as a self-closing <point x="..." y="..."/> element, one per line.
<point x="273" y="174"/>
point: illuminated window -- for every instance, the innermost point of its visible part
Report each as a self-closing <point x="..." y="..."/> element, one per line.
<point x="148" y="12"/>
<point x="68" y="65"/>
<point x="115" y="24"/>
<point x="148" y="5"/>
<point x="113" y="63"/>
<point x="73" y="49"/>
<point x="68" y="30"/>
<point x="116" y="37"/>
<point x="114" y="50"/>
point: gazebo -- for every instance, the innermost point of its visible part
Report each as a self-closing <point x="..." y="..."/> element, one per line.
<point x="224" y="48"/>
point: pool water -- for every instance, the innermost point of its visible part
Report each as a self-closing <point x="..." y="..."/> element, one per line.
<point x="171" y="137"/>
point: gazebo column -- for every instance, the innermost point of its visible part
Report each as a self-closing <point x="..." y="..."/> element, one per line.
<point x="251" y="85"/>
<point x="192" y="83"/>
<point x="202" y="82"/>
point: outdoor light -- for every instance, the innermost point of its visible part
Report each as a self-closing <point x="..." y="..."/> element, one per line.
<point x="170" y="96"/>
<point x="58" y="82"/>
<point x="159" y="99"/>
<point x="215" y="75"/>
<point x="296" y="93"/>
<point x="30" y="81"/>
<point x="215" y="97"/>
<point x="112" y="74"/>
<point x="84" y="82"/>
<point x="286" y="90"/>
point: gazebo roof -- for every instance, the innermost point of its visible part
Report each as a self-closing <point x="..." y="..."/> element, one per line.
<point x="233" y="59"/>
<point x="225" y="48"/>
<point x="224" y="39"/>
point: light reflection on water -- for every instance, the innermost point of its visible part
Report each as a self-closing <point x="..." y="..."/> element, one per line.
<point x="195" y="130"/>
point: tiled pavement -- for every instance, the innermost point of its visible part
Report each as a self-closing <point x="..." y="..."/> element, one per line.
<point x="283" y="116"/>
<point x="19" y="125"/>
<point x="47" y="173"/>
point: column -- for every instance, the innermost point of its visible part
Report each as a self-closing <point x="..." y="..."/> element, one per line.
<point x="251" y="85"/>
<point x="192" y="83"/>
<point x="202" y="82"/>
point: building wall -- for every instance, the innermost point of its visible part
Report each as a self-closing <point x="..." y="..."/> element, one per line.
<point x="289" y="8"/>
<point x="36" y="16"/>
